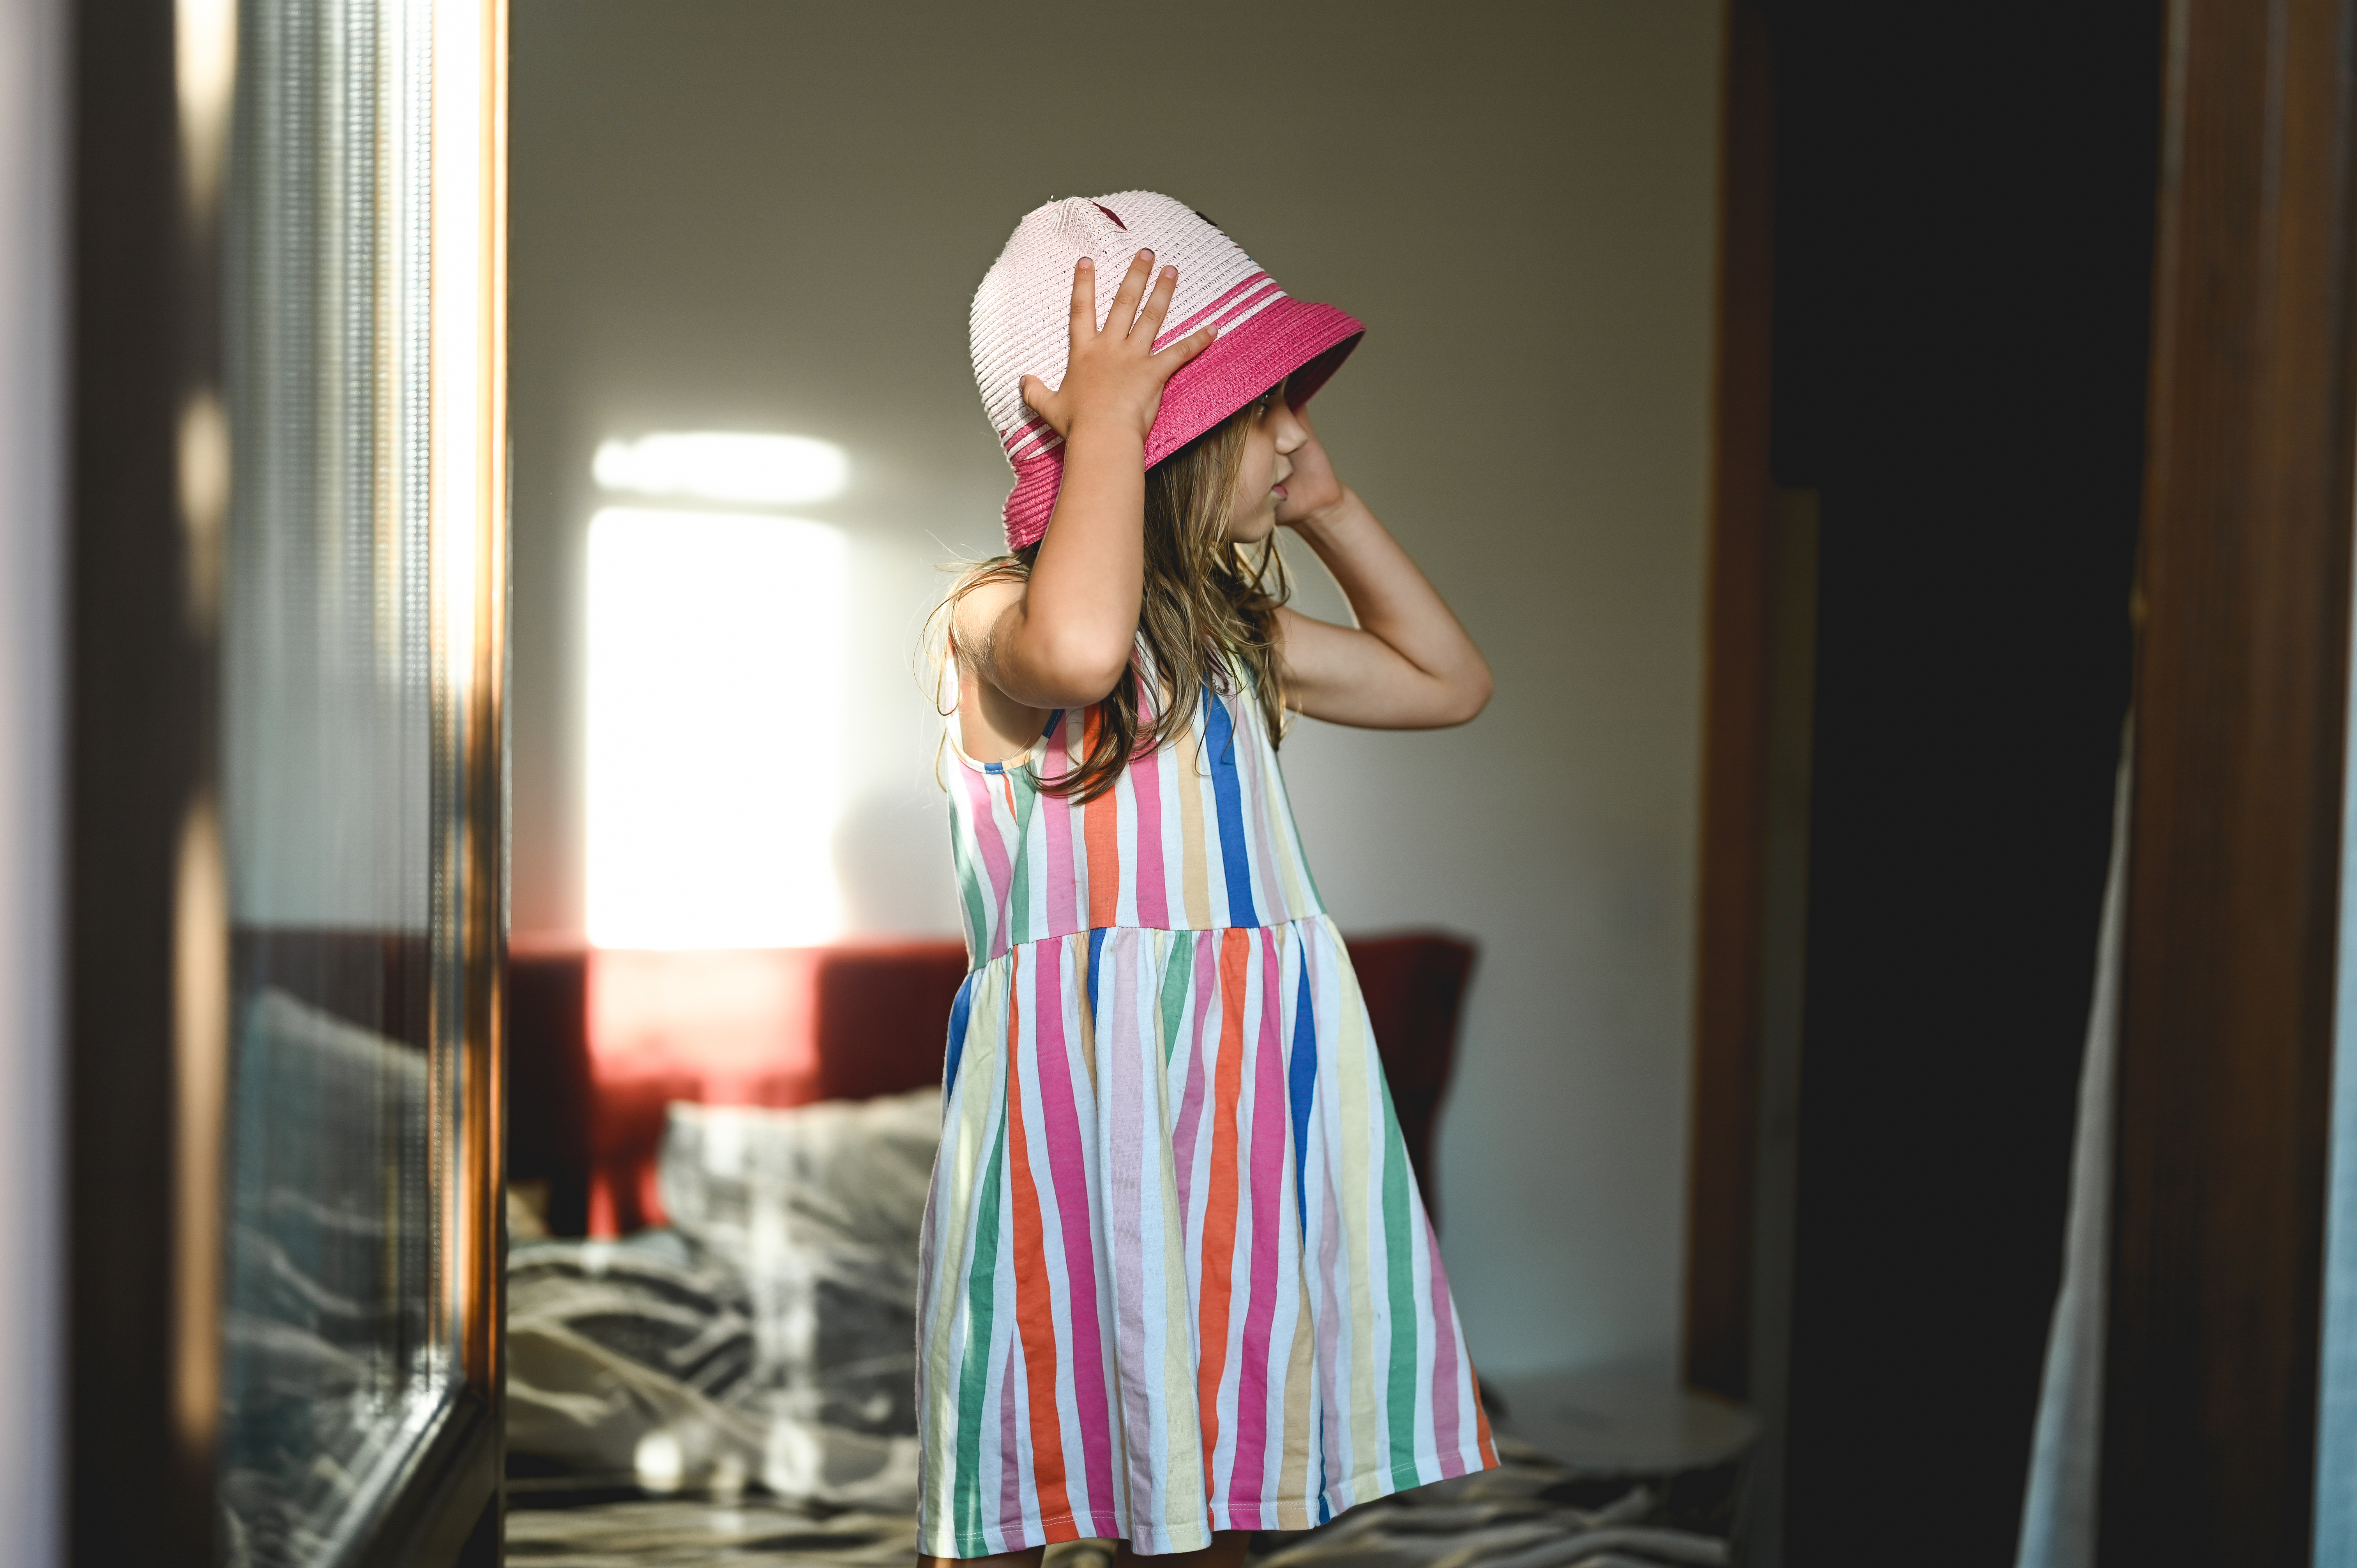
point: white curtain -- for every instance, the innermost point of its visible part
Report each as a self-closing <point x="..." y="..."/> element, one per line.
<point x="2058" y="1514"/>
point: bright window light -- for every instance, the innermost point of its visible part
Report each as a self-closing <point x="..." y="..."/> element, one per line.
<point x="719" y="465"/>
<point x="715" y="673"/>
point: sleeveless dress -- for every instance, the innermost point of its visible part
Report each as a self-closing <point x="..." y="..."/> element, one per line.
<point x="1176" y="1273"/>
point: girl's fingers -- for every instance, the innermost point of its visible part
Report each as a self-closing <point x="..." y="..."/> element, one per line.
<point x="1036" y="393"/>
<point x="1157" y="305"/>
<point x="1171" y="361"/>
<point x="1084" y="299"/>
<point x="1133" y="289"/>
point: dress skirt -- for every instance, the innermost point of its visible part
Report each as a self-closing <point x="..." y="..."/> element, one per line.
<point x="1177" y="1274"/>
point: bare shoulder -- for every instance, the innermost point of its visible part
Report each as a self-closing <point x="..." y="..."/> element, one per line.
<point x="992" y="726"/>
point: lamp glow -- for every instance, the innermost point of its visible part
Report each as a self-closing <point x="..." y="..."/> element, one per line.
<point x="715" y="673"/>
<point x="721" y="466"/>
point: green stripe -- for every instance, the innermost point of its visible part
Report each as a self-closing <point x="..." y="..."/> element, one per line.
<point x="1397" y="1238"/>
<point x="978" y="911"/>
<point x="973" y="1378"/>
<point x="1018" y="913"/>
<point x="1177" y="976"/>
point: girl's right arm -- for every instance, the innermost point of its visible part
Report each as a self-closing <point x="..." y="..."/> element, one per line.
<point x="1062" y="637"/>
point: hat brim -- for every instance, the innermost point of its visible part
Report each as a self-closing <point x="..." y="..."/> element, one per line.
<point x="1295" y="338"/>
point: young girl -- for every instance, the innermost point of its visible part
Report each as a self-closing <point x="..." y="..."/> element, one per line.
<point x="1178" y="1284"/>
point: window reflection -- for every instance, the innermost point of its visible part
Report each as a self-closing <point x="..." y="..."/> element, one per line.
<point x="337" y="783"/>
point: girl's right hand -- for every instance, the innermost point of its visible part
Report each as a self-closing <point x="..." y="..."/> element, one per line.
<point x="1113" y="377"/>
<point x="1064" y="635"/>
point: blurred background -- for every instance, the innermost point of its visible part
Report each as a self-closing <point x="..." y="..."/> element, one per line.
<point x="762" y="218"/>
<point x="1867" y="1001"/>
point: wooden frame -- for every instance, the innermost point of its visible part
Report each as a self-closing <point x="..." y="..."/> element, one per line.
<point x="1732" y="898"/>
<point x="1903" y="850"/>
<point x="2209" y="1416"/>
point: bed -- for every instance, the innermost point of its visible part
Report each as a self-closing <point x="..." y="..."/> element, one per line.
<point x="711" y="1297"/>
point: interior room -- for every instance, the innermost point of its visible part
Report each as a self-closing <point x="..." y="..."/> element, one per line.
<point x="699" y="247"/>
<point x="548" y="1013"/>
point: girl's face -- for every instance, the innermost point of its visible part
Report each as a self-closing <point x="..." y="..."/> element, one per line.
<point x="1274" y="436"/>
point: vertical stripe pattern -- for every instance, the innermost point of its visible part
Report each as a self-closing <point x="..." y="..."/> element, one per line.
<point x="1176" y="1275"/>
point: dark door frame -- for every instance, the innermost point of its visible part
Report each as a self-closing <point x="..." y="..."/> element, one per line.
<point x="2233" y="876"/>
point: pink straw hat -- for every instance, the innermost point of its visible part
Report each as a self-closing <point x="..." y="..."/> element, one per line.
<point x="1021" y="327"/>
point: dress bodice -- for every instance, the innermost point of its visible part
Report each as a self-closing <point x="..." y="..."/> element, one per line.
<point x="1195" y="835"/>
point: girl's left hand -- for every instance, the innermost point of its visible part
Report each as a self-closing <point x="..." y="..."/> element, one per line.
<point x="1312" y="486"/>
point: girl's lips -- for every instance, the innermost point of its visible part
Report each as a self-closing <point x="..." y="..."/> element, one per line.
<point x="1277" y="490"/>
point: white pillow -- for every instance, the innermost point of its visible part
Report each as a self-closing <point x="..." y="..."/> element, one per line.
<point x="818" y="1208"/>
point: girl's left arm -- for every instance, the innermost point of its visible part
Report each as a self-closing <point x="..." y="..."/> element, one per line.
<point x="1408" y="664"/>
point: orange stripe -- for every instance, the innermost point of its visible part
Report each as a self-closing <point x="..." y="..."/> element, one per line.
<point x="1219" y="1204"/>
<point x="1103" y="834"/>
<point x="1035" y="1308"/>
<point x="1481" y="1426"/>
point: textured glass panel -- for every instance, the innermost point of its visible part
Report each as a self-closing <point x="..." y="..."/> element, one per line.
<point x="334" y="768"/>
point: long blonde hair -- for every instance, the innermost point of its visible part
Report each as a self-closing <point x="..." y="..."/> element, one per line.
<point x="1208" y="617"/>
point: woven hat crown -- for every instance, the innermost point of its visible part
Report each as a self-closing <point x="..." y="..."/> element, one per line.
<point x="1020" y="325"/>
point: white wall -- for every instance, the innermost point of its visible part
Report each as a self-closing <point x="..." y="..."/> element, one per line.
<point x="765" y="216"/>
<point x="32" y="766"/>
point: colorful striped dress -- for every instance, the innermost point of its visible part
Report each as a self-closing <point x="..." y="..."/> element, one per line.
<point x="1176" y="1277"/>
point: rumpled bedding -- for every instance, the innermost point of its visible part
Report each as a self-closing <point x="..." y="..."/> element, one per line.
<point x="1519" y="1515"/>
<point x="767" y="1336"/>
<point x="755" y="1362"/>
<point x="1512" y="1517"/>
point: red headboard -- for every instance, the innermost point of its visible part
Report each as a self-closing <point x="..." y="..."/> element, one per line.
<point x="842" y="1023"/>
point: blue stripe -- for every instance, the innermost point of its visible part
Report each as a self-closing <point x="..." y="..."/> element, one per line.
<point x="1096" y="950"/>
<point x="1302" y="1080"/>
<point x="958" y="1011"/>
<point x="1236" y="862"/>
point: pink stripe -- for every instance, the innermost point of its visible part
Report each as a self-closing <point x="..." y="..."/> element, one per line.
<point x="1031" y="445"/>
<point x="1146" y="778"/>
<point x="995" y="862"/>
<point x="1444" y="1360"/>
<point x="1034" y="428"/>
<point x="1172" y="334"/>
<point x="1031" y="504"/>
<point x="1061" y="921"/>
<point x="1011" y="1469"/>
<point x="1246" y="306"/>
<point x="1068" y="1169"/>
<point x="1245" y="1483"/>
<point x="1190" y="1107"/>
